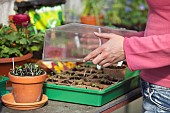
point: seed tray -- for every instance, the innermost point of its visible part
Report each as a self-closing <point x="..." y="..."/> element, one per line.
<point x="3" y="81"/>
<point x="89" y="96"/>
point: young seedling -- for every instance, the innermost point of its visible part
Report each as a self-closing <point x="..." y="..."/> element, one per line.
<point x="30" y="69"/>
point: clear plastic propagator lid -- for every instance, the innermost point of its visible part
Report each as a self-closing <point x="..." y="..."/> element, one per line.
<point x="72" y="42"/>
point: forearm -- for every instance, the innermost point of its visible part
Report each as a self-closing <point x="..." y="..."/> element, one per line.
<point x="147" y="52"/>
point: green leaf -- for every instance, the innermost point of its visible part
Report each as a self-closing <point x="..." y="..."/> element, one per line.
<point x="35" y="48"/>
<point x="22" y="41"/>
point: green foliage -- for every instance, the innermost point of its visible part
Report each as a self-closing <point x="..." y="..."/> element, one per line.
<point x="93" y="8"/>
<point x="30" y="69"/>
<point x="131" y="14"/>
<point x="1" y="78"/>
<point x="18" y="43"/>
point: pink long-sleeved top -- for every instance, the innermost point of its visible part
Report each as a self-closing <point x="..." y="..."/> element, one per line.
<point x="151" y="53"/>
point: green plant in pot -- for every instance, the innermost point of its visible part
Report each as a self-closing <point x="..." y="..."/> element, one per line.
<point x="130" y="14"/>
<point x="18" y="43"/>
<point x="92" y="12"/>
<point x="27" y="82"/>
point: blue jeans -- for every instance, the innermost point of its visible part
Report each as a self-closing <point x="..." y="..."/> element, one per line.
<point x="156" y="99"/>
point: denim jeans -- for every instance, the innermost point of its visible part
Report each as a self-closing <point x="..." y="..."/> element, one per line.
<point x="156" y="99"/>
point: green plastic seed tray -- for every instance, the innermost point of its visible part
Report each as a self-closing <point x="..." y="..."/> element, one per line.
<point x="89" y="96"/>
<point x="3" y="81"/>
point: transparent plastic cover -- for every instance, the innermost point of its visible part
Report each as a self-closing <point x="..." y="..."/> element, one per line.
<point x="72" y="42"/>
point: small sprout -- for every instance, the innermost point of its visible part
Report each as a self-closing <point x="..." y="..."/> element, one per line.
<point x="94" y="85"/>
<point x="30" y="69"/>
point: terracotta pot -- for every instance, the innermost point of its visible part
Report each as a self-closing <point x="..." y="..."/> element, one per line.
<point x="27" y="89"/>
<point x="6" y="64"/>
<point x="9" y="102"/>
<point x="90" y="20"/>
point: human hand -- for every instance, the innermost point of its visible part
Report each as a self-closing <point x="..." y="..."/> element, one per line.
<point x="108" y="53"/>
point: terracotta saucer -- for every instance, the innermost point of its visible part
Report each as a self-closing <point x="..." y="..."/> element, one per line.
<point x="9" y="102"/>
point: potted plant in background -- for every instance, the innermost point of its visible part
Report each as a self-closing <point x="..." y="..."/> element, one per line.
<point x="27" y="82"/>
<point x="18" y="44"/>
<point x="92" y="12"/>
<point x="129" y="14"/>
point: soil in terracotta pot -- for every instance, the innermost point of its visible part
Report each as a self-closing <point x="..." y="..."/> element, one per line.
<point x="89" y="77"/>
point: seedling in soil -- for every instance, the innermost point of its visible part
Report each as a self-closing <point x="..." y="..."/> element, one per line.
<point x="87" y="76"/>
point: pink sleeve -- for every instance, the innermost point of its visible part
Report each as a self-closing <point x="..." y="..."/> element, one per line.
<point x="130" y="34"/>
<point x="147" y="52"/>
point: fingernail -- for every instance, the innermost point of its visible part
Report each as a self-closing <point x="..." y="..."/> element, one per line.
<point x="95" y="33"/>
<point x="84" y="60"/>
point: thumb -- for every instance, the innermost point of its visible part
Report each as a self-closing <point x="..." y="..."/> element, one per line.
<point x="103" y="35"/>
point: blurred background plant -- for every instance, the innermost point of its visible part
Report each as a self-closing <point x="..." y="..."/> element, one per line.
<point x="129" y="14"/>
<point x="92" y="9"/>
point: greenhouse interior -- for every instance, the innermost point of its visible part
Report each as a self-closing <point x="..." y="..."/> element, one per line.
<point x="84" y="56"/>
